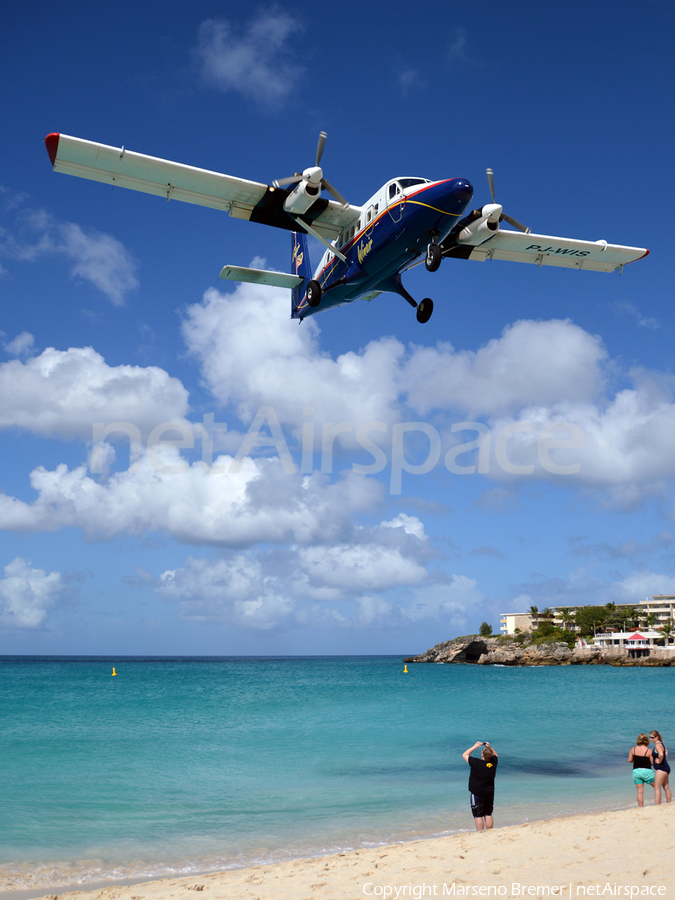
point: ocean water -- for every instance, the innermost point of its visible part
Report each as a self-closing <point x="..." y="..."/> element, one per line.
<point x="181" y="765"/>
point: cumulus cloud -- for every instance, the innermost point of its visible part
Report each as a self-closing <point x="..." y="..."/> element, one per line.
<point x="523" y="385"/>
<point x="61" y="393"/>
<point x="360" y="567"/>
<point x="530" y="364"/>
<point x="253" y="61"/>
<point x="27" y="594"/>
<point x="251" y="353"/>
<point x="227" y="591"/>
<point x="409" y="524"/>
<point x="96" y="257"/>
<point x="362" y="582"/>
<point x="260" y="503"/>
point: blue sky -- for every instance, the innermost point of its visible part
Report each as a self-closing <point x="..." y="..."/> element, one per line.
<point x="112" y="312"/>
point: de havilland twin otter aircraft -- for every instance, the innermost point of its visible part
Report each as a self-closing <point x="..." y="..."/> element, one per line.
<point x="367" y="247"/>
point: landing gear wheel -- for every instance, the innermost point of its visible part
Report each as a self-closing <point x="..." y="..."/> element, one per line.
<point x="314" y="293"/>
<point x="424" y="310"/>
<point x="434" y="257"/>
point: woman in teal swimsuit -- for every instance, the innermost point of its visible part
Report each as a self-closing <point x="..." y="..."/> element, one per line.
<point x="641" y="757"/>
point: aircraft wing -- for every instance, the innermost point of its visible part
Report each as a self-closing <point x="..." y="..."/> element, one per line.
<point x="242" y="199"/>
<point x="544" y="250"/>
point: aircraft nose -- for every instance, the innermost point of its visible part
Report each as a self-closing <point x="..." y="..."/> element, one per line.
<point x="463" y="189"/>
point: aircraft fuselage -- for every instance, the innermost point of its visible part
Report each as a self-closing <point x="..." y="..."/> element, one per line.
<point x="393" y="230"/>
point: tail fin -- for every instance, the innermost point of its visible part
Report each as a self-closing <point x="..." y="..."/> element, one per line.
<point x="299" y="266"/>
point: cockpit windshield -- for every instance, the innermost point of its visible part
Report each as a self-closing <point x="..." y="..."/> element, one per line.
<point x="409" y="182"/>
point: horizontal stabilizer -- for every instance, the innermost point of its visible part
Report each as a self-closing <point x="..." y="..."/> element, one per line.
<point x="260" y="276"/>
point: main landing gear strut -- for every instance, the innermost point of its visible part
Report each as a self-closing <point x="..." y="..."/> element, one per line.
<point x="424" y="307"/>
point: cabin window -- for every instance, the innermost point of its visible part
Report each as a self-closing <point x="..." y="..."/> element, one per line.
<point x="393" y="190"/>
<point x="368" y="216"/>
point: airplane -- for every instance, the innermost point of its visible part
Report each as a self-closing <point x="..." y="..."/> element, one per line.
<point x="408" y="221"/>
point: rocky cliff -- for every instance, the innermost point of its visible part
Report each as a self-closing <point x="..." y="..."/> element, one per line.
<point x="492" y="651"/>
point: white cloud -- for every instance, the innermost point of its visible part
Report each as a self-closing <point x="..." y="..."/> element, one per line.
<point x="253" y="62"/>
<point x="251" y="353"/>
<point x="259" y="504"/>
<point x="226" y="591"/>
<point x="410" y="524"/>
<point x="448" y="602"/>
<point x="543" y="373"/>
<point x="627" y="308"/>
<point x="531" y="363"/>
<point x="27" y="594"/>
<point x="641" y="586"/>
<point x="61" y="393"/>
<point x="317" y="586"/>
<point x="360" y="567"/>
<point x="97" y="257"/>
<point x="20" y="345"/>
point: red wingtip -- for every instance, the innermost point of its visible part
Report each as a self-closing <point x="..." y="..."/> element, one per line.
<point x="52" y="145"/>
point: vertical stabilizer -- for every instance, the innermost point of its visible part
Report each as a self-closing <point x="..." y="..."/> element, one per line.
<point x="299" y="266"/>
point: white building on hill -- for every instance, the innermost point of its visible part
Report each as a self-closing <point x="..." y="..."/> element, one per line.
<point x="661" y="606"/>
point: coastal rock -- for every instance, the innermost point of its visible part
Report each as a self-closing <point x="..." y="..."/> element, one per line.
<point x="460" y="650"/>
<point x="502" y="651"/>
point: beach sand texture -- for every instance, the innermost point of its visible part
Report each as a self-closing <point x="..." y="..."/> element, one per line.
<point x="626" y="853"/>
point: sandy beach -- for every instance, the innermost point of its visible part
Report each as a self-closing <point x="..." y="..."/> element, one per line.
<point x="629" y="853"/>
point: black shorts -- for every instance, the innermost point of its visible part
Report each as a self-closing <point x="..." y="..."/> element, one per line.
<point x="482" y="806"/>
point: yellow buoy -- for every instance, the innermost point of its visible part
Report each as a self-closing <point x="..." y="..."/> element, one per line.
<point x="114" y="672"/>
<point x="405" y="668"/>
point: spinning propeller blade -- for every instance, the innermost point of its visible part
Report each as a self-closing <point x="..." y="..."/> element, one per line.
<point x="293" y="179"/>
<point x="310" y="175"/>
<point x="320" y="146"/>
<point x="326" y="185"/>
<point x="509" y="219"/>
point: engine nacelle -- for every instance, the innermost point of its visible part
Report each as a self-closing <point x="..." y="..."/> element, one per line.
<point x="305" y="193"/>
<point x="483" y="227"/>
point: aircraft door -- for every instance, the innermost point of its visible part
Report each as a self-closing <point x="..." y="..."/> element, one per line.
<point x="371" y="215"/>
<point x="395" y="201"/>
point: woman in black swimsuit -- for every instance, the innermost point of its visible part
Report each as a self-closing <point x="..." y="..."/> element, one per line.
<point x="661" y="767"/>
<point x="641" y="757"/>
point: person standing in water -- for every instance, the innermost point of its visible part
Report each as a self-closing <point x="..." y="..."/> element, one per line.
<point x="661" y="767"/>
<point x="482" y="783"/>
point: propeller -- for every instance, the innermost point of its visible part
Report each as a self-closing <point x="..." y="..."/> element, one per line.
<point x="511" y="221"/>
<point x="314" y="175"/>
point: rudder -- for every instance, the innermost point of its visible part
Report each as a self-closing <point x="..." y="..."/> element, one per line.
<point x="299" y="266"/>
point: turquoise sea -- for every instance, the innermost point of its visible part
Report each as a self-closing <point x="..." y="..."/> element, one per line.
<point x="181" y="765"/>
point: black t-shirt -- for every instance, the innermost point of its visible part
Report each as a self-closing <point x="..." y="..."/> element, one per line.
<point x="482" y="777"/>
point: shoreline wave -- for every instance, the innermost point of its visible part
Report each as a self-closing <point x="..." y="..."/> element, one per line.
<point x="85" y="874"/>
